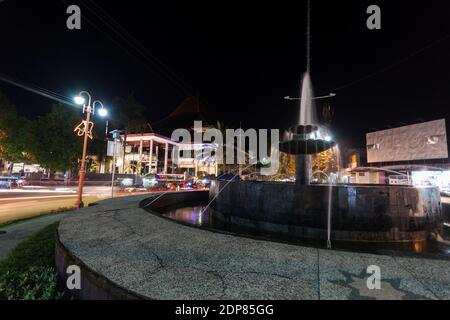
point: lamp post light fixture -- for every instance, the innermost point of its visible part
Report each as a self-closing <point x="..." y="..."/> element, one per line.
<point x="79" y="100"/>
<point x="88" y="108"/>
<point x="102" y="112"/>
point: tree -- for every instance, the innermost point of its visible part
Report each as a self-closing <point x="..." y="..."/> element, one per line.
<point x="130" y="115"/>
<point x="287" y="167"/>
<point x="325" y="162"/>
<point x="54" y="144"/>
<point x="14" y="133"/>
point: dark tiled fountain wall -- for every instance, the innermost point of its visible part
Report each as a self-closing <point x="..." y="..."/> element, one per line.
<point x="446" y="212"/>
<point x="364" y="213"/>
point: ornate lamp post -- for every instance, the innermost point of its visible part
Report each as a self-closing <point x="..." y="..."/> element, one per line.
<point x="85" y="129"/>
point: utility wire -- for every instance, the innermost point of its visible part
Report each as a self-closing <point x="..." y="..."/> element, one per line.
<point x="10" y="80"/>
<point x="141" y="48"/>
<point x="158" y="67"/>
<point x="391" y="66"/>
<point x="108" y="36"/>
<point x="40" y="91"/>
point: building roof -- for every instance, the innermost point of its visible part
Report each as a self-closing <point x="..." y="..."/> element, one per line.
<point x="183" y="117"/>
<point x="406" y="167"/>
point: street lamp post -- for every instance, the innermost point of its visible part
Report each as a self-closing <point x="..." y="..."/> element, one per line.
<point x="116" y="137"/>
<point x="88" y="109"/>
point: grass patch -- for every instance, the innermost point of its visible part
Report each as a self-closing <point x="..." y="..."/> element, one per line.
<point x="28" y="272"/>
<point x="43" y="209"/>
<point x="13" y="222"/>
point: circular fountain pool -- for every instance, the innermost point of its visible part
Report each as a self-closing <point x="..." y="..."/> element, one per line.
<point x="363" y="218"/>
<point x="373" y="213"/>
<point x="193" y="214"/>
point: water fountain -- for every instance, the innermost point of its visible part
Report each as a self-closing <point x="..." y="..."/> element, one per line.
<point x="308" y="137"/>
<point x="368" y="213"/>
<point x="376" y="213"/>
<point x="301" y="210"/>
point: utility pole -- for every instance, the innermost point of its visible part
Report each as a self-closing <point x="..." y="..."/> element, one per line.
<point x="308" y="39"/>
<point x="116" y="138"/>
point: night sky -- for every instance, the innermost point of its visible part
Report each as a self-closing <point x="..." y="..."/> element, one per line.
<point x="240" y="59"/>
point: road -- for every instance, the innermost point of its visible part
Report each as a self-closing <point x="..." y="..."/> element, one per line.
<point x="26" y="203"/>
<point x="32" y="201"/>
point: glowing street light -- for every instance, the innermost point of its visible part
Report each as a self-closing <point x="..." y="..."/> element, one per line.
<point x="89" y="109"/>
<point x="79" y="100"/>
<point x="102" y="112"/>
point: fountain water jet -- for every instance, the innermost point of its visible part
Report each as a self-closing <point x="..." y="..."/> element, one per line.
<point x="308" y="114"/>
<point x="308" y="137"/>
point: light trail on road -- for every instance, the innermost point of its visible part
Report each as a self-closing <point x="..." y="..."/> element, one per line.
<point x="37" y="198"/>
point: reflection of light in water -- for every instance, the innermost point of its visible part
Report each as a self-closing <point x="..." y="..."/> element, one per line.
<point x="192" y="215"/>
<point x="200" y="217"/>
<point x="419" y="246"/>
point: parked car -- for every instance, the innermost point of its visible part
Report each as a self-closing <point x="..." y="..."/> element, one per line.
<point x="126" y="182"/>
<point x="8" y="183"/>
<point x="149" y="181"/>
<point x="445" y="192"/>
<point x="20" y="180"/>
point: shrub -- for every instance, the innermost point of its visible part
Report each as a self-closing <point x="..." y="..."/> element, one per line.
<point x="36" y="283"/>
<point x="28" y="272"/>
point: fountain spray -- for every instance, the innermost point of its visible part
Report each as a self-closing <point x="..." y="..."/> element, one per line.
<point x="308" y="137"/>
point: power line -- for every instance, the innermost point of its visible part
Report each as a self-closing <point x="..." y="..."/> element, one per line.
<point x="393" y="65"/>
<point x="141" y="48"/>
<point x="159" y="67"/>
<point x="40" y="91"/>
<point x="107" y="35"/>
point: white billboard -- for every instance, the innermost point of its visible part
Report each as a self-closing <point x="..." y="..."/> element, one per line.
<point x="423" y="141"/>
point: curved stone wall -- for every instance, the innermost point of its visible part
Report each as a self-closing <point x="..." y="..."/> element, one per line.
<point x="125" y="252"/>
<point x="359" y="213"/>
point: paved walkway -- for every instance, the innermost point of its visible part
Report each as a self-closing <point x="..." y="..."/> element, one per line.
<point x="161" y="259"/>
<point x="18" y="232"/>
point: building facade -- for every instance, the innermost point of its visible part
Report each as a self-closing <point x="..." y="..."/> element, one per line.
<point x="152" y="153"/>
<point x="410" y="155"/>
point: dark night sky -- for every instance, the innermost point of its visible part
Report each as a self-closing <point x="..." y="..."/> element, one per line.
<point x="241" y="59"/>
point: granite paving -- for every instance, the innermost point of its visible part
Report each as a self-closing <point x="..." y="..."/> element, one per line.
<point x="162" y="259"/>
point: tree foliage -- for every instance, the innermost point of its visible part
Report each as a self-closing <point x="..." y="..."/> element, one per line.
<point x="14" y="133"/>
<point x="54" y="144"/>
<point x="130" y="115"/>
<point x="287" y="168"/>
<point x="50" y="141"/>
<point x="325" y="162"/>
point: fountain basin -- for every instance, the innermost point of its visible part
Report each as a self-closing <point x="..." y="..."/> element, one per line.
<point x="359" y="213"/>
<point x="307" y="147"/>
<point x="303" y="139"/>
